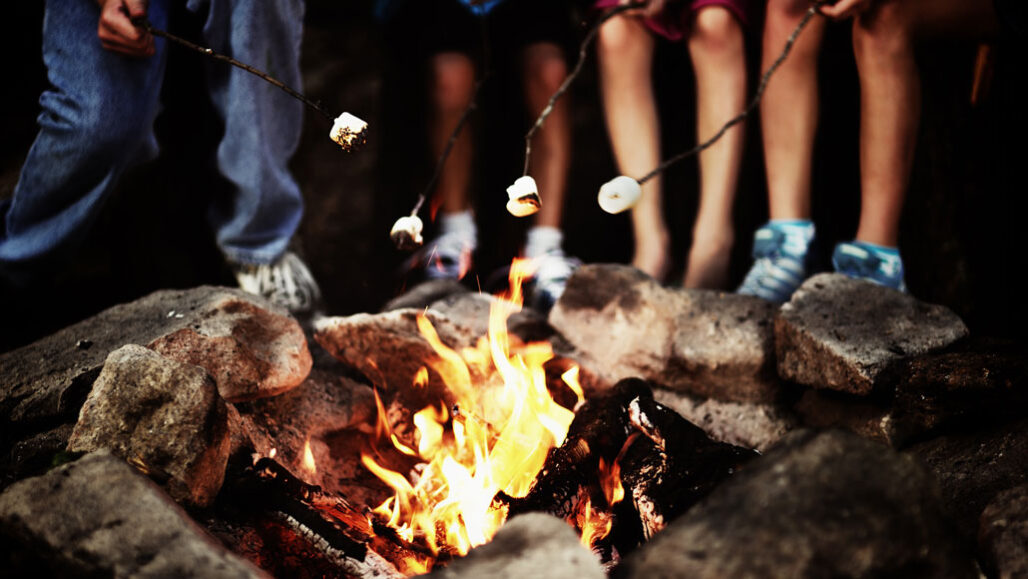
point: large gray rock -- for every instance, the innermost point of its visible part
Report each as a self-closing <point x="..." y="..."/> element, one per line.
<point x="846" y="334"/>
<point x="162" y="414"/>
<point x="251" y="352"/>
<point x="973" y="467"/>
<point x="531" y="545"/>
<point x="987" y="381"/>
<point x="388" y="348"/>
<point x="748" y="424"/>
<point x="47" y="381"/>
<point x="468" y="310"/>
<point x="624" y="324"/>
<point x="1003" y="536"/>
<point x="818" y="505"/>
<point x="97" y="517"/>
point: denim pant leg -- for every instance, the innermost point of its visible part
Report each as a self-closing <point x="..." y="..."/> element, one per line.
<point x="97" y="118"/>
<point x="262" y="124"/>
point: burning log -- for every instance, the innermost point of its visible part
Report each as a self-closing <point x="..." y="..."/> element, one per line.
<point x="341" y="531"/>
<point x="664" y="463"/>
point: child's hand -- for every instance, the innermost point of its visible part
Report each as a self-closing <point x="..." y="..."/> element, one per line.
<point x="117" y="32"/>
<point x="842" y="9"/>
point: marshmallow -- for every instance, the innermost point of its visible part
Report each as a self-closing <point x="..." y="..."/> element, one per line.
<point x="348" y="131"/>
<point x="524" y="197"/>
<point x="406" y="233"/>
<point x="619" y="194"/>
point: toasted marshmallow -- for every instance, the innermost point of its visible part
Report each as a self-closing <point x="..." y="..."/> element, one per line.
<point x="524" y="197"/>
<point x="619" y="194"/>
<point x="406" y="233"/>
<point x="348" y="131"/>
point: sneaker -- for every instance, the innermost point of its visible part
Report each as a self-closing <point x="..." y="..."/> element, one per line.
<point x="447" y="257"/>
<point x="552" y="271"/>
<point x="286" y="282"/>
<point x="779" y="266"/>
<point x="876" y="264"/>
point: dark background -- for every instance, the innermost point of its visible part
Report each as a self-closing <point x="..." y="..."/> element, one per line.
<point x="962" y="236"/>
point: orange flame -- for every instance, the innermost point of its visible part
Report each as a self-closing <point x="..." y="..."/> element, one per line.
<point x="308" y="458"/>
<point x="495" y="439"/>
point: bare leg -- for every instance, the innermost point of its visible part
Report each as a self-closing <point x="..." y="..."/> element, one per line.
<point x="716" y="46"/>
<point x="890" y="96"/>
<point x="789" y="109"/>
<point x="544" y="71"/>
<point x="626" y="58"/>
<point x="453" y="84"/>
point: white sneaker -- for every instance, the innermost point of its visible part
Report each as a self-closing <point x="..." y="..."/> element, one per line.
<point x="552" y="270"/>
<point x="286" y="282"/>
<point x="448" y="256"/>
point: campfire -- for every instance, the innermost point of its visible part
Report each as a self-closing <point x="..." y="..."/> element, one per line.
<point x="470" y="438"/>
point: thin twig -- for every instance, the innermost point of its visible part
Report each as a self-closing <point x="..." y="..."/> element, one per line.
<point x="749" y="109"/>
<point x="472" y="107"/>
<point x="146" y="25"/>
<point x="583" y="51"/>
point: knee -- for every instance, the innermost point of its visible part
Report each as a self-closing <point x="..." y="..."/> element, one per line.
<point x="716" y="31"/>
<point x="882" y="32"/>
<point x="453" y="82"/>
<point x="545" y="69"/>
<point x="619" y="36"/>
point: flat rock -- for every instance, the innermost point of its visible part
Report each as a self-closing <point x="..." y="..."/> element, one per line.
<point x="388" y="348"/>
<point x="45" y="383"/>
<point x="425" y="294"/>
<point x="1003" y="535"/>
<point x="845" y="334"/>
<point x="97" y="517"/>
<point x="530" y="545"/>
<point x="623" y="324"/>
<point x="973" y="467"/>
<point x="748" y="424"/>
<point x="162" y="414"/>
<point x="817" y="505"/>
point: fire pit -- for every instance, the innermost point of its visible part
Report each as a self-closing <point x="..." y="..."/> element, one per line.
<point x="475" y="437"/>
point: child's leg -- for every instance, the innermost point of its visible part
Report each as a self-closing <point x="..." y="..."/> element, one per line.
<point x="544" y="71"/>
<point x="788" y="114"/>
<point x="890" y="98"/>
<point x="453" y="83"/>
<point x="789" y="109"/>
<point x="716" y="46"/>
<point x="626" y="57"/>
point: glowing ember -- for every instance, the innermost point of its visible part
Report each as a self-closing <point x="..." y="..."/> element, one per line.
<point x="489" y="440"/>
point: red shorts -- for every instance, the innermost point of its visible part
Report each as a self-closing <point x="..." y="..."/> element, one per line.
<point x="673" y="21"/>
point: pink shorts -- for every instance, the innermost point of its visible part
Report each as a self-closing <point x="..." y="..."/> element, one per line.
<point x="673" y="21"/>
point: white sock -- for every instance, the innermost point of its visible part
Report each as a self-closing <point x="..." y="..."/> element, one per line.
<point x="460" y="224"/>
<point x="542" y="239"/>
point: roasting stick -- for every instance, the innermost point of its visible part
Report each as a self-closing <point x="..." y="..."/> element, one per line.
<point x="348" y="130"/>
<point x="623" y="192"/>
<point x="523" y="195"/>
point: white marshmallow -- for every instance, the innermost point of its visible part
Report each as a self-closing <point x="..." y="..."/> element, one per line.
<point x="524" y="197"/>
<point x="348" y="131"/>
<point x="619" y="194"/>
<point x="406" y="232"/>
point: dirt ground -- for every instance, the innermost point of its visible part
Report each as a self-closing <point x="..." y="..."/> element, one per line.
<point x="961" y="236"/>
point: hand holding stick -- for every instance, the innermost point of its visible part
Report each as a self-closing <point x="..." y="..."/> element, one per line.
<point x="347" y="130"/>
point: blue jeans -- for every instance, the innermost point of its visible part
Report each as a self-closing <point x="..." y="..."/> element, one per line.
<point x="97" y="120"/>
